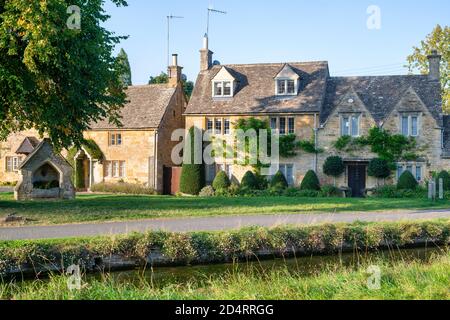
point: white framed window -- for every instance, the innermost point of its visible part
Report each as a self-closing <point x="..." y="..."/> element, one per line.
<point x="350" y="125"/>
<point x="210" y="125"/>
<point x="288" y="171"/>
<point x="274" y="123"/>
<point x="282" y="128"/>
<point x="409" y="125"/>
<point x="12" y="164"/>
<point x="226" y="126"/>
<point x="218" y="126"/>
<point x="286" y="87"/>
<point x="291" y="125"/>
<point x="222" y="89"/>
<point x="115" y="139"/>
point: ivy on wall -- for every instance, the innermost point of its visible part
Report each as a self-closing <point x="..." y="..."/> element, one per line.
<point x="289" y="145"/>
<point x="388" y="146"/>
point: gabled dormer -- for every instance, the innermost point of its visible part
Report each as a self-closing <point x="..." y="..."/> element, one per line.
<point x="223" y="84"/>
<point x="287" y="82"/>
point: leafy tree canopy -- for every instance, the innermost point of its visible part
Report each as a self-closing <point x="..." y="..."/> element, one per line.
<point x="53" y="78"/>
<point x="438" y="39"/>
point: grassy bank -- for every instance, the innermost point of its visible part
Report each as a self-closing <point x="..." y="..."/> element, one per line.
<point x="412" y="280"/>
<point x="164" y="248"/>
<point x="98" y="208"/>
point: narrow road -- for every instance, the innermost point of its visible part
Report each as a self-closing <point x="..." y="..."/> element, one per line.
<point x="207" y="224"/>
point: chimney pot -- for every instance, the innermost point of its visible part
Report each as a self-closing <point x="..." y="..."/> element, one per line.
<point x="175" y="60"/>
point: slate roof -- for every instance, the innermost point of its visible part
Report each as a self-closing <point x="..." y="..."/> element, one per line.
<point x="381" y="94"/>
<point x="446" y="120"/>
<point x="145" y="108"/>
<point x="28" y="145"/>
<point x="256" y="90"/>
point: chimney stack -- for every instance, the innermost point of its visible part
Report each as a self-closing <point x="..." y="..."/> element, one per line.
<point x="435" y="64"/>
<point x="174" y="72"/>
<point x="206" y="55"/>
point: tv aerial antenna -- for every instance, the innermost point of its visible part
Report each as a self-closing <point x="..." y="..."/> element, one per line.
<point x="169" y="19"/>
<point x="211" y="10"/>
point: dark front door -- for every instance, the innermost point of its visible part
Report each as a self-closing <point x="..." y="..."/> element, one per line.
<point x="172" y="177"/>
<point x="357" y="179"/>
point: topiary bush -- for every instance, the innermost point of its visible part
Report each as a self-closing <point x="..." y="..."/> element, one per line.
<point x="334" y="167"/>
<point x="407" y="181"/>
<point x="445" y="176"/>
<point x="310" y="181"/>
<point x="262" y="183"/>
<point x="379" y="168"/>
<point x="192" y="178"/>
<point x="221" y="181"/>
<point x="279" y="181"/>
<point x="249" y="181"/>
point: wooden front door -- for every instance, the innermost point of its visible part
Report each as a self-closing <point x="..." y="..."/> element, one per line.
<point x="357" y="179"/>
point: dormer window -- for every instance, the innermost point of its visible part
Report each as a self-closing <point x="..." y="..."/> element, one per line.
<point x="223" y="84"/>
<point x="286" y="87"/>
<point x="223" y="89"/>
<point x="286" y="82"/>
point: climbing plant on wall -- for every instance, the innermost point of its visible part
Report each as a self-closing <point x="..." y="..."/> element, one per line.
<point x="388" y="146"/>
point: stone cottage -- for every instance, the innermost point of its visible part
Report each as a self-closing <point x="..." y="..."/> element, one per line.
<point x="302" y="98"/>
<point x="137" y="152"/>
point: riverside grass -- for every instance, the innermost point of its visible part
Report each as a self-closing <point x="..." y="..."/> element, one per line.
<point x="207" y="247"/>
<point x="102" y="208"/>
<point x="399" y="281"/>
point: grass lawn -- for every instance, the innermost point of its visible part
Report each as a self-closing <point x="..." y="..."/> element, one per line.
<point x="97" y="208"/>
<point x="408" y="281"/>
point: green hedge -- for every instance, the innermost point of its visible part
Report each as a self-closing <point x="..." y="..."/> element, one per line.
<point x="407" y="181"/>
<point x="310" y="181"/>
<point x="445" y="176"/>
<point x="203" y="247"/>
<point x="221" y="181"/>
<point x="249" y="181"/>
<point x="279" y="181"/>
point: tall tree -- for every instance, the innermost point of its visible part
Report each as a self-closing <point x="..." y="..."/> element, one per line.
<point x="125" y="72"/>
<point x="188" y="86"/>
<point x="438" y="39"/>
<point x="56" y="77"/>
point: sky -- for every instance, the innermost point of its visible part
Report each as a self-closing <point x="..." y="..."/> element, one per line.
<point x="263" y="31"/>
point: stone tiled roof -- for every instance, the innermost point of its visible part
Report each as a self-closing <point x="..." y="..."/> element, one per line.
<point x="446" y="120"/>
<point x="382" y="93"/>
<point x="145" y="108"/>
<point x="28" y="145"/>
<point x="255" y="91"/>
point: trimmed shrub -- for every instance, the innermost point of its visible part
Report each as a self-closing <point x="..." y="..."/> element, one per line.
<point x="262" y="183"/>
<point x="407" y="181"/>
<point x="379" y="168"/>
<point x="207" y="192"/>
<point x="334" y="167"/>
<point x="310" y="181"/>
<point x="192" y="178"/>
<point x="279" y="181"/>
<point x="249" y="181"/>
<point x="445" y="176"/>
<point x="221" y="182"/>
